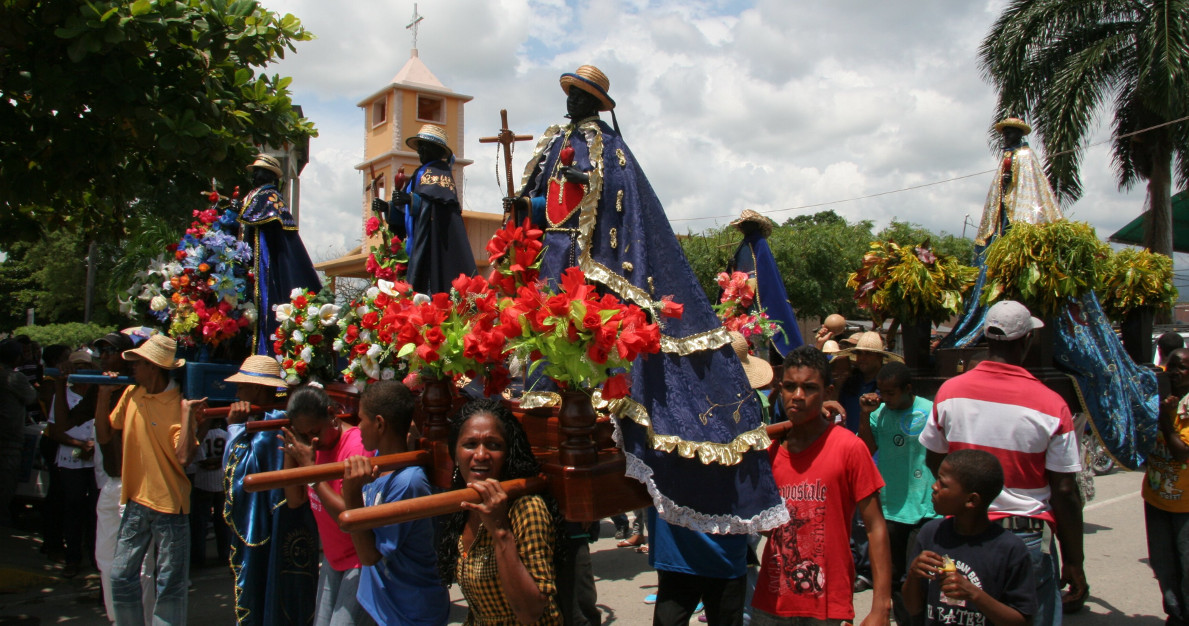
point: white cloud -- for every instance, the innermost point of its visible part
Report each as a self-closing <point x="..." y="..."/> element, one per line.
<point x="727" y="105"/>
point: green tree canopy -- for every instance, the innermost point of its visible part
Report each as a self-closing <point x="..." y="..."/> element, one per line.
<point x="1061" y="61"/>
<point x="908" y="233"/>
<point x="813" y="252"/>
<point x="107" y="102"/>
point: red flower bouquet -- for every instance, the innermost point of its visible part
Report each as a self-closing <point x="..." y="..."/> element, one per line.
<point x="370" y="349"/>
<point x="736" y="312"/>
<point x="451" y="334"/>
<point x="578" y="338"/>
<point x="389" y="260"/>
<point x="514" y="253"/>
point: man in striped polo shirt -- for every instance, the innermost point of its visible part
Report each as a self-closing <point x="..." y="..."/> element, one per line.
<point x="999" y="407"/>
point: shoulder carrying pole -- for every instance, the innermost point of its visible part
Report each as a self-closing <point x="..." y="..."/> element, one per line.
<point x="328" y="471"/>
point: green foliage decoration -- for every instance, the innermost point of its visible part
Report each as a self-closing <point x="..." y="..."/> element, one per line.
<point x="73" y="334"/>
<point x="1134" y="278"/>
<point x="910" y="283"/>
<point x="1044" y="265"/>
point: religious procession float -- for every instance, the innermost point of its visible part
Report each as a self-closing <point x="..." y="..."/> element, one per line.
<point x="634" y="389"/>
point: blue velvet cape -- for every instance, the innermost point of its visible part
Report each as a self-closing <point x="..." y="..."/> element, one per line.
<point x="274" y="549"/>
<point x="692" y="428"/>
<point x="435" y="236"/>
<point x="754" y="258"/>
<point x="280" y="261"/>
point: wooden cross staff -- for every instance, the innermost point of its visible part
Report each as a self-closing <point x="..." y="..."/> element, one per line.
<point x="506" y="138"/>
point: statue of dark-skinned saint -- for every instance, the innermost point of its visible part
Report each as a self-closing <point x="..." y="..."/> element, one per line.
<point x="280" y="262"/>
<point x="754" y="258"/>
<point x="691" y="425"/>
<point x="426" y="214"/>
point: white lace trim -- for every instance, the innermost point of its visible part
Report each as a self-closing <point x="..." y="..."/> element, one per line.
<point x="673" y="513"/>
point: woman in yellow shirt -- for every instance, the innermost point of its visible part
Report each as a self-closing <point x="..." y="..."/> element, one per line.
<point x="500" y="552"/>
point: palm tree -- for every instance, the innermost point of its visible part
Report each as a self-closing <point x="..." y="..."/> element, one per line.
<point x="1061" y="61"/>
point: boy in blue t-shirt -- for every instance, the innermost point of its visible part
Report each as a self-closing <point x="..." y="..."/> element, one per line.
<point x="967" y="569"/>
<point x="399" y="581"/>
<point x="893" y="429"/>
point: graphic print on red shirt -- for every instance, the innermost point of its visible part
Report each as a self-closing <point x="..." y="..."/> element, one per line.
<point x="807" y="570"/>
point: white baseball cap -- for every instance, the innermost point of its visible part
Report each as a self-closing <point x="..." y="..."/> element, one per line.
<point x="1008" y="320"/>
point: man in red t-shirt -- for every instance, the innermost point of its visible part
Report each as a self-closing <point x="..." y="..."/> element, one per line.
<point x="824" y="473"/>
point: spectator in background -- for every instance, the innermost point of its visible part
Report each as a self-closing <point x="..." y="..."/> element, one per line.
<point x="1165" y="344"/>
<point x="1166" y="506"/>
<point x="53" y="507"/>
<point x="869" y="356"/>
<point x="158" y="430"/>
<point x="15" y="396"/>
<point x="72" y="426"/>
<point x="206" y="496"/>
<point x="891" y="425"/>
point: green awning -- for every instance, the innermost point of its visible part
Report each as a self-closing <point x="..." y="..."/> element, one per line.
<point x="1133" y="232"/>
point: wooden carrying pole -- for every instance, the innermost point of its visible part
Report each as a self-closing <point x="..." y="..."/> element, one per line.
<point x="255" y="409"/>
<point x="449" y="502"/>
<point x="431" y="506"/>
<point x="329" y="471"/>
<point x="258" y="426"/>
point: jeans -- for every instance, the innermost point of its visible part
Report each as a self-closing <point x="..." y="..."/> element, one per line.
<point x="170" y="532"/>
<point x="1168" y="554"/>
<point x="336" y="604"/>
<point x="1044" y="567"/>
<point x="677" y="595"/>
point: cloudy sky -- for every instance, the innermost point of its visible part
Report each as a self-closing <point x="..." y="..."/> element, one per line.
<point x="772" y="105"/>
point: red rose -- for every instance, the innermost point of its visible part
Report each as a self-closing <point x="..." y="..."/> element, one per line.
<point x="670" y="308"/>
<point x="301" y="367"/>
<point x="373" y="224"/>
<point x="427" y="354"/>
<point x="287" y="364"/>
<point x="617" y="386"/>
<point x="300" y="301"/>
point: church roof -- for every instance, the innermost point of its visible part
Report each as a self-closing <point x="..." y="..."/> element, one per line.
<point x="416" y="73"/>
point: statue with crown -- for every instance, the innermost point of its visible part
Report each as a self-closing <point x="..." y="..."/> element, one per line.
<point x="691" y="428"/>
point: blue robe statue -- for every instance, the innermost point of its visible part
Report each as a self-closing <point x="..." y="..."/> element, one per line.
<point x="1119" y="395"/>
<point x="280" y="262"/>
<point x="691" y="428"/>
<point x="754" y="258"/>
<point x="435" y="237"/>
<point x="274" y="549"/>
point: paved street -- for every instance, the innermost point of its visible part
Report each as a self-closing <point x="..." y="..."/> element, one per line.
<point x="1122" y="588"/>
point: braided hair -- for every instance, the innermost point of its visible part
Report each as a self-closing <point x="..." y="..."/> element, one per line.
<point x="519" y="462"/>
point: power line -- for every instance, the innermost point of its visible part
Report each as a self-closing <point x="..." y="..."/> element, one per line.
<point x="923" y="185"/>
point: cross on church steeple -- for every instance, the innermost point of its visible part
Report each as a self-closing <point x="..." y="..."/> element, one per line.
<point x="413" y="25"/>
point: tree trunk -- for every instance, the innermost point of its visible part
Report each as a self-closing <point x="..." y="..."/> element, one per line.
<point x="89" y="297"/>
<point x="1158" y="226"/>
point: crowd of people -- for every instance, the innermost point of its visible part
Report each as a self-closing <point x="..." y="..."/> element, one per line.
<point x="950" y="509"/>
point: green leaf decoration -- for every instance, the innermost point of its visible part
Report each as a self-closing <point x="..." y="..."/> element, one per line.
<point x="1044" y="265"/>
<point x="1133" y="278"/>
